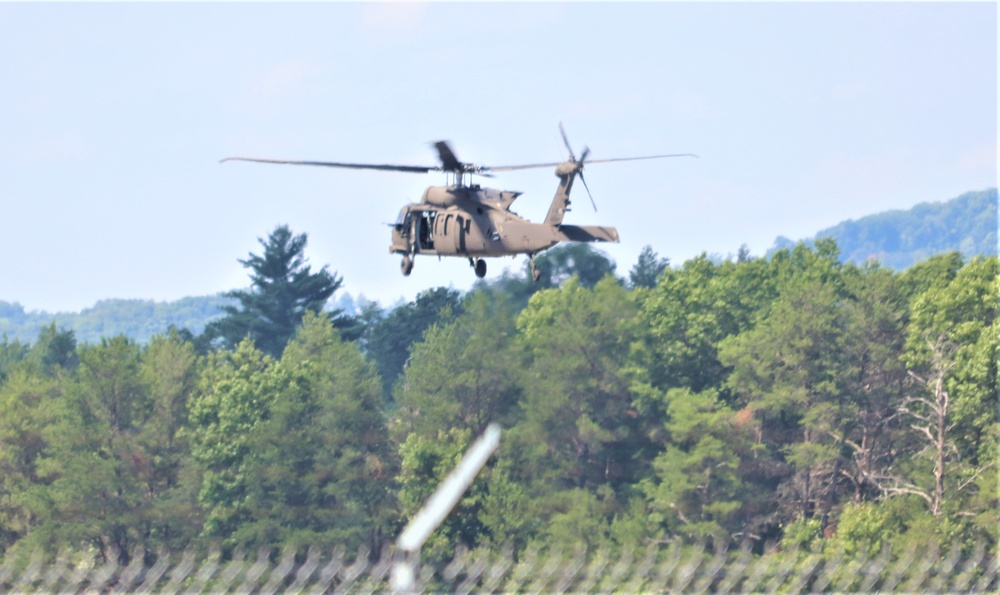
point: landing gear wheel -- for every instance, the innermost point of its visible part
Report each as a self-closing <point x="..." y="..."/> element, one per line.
<point x="480" y="268"/>
<point x="406" y="266"/>
<point x="535" y="273"/>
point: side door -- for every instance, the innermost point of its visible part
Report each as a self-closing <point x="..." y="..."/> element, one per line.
<point x="446" y="234"/>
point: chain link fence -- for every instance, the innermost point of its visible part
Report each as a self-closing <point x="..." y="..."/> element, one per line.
<point x="661" y="568"/>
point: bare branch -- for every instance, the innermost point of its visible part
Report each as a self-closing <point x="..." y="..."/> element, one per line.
<point x="924" y="418"/>
<point x="894" y="490"/>
<point x="926" y="430"/>
<point x="917" y="377"/>
<point x="975" y="475"/>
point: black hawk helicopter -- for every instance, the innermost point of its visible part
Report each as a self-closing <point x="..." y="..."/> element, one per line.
<point x="465" y="220"/>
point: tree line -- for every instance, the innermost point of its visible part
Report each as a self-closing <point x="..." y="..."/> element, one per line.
<point x="791" y="400"/>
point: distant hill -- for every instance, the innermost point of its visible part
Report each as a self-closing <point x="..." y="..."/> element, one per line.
<point x="137" y="319"/>
<point x="898" y="238"/>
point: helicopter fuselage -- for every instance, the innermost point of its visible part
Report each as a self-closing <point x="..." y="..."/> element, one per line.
<point x="470" y="221"/>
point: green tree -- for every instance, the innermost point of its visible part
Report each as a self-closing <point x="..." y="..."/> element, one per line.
<point x="425" y="462"/>
<point x="951" y="405"/>
<point x="791" y="371"/>
<point x="868" y="527"/>
<point x="935" y="272"/>
<point x="327" y="466"/>
<point x="581" y="260"/>
<point x="647" y="269"/>
<point x="685" y="317"/>
<point x="29" y="403"/>
<point x="94" y="462"/>
<point x="234" y="398"/>
<point x="697" y="488"/>
<point x="53" y="348"/>
<point x="874" y="378"/>
<point x="460" y="375"/>
<point x="460" y="379"/>
<point x="169" y="373"/>
<point x="391" y="338"/>
<point x="578" y="429"/>
<point x="11" y="353"/>
<point x="555" y="266"/>
<point x="370" y="315"/>
<point x="295" y="451"/>
<point x="91" y="456"/>
<point x="284" y="289"/>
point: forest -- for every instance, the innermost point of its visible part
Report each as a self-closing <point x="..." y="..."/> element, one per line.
<point x="787" y="401"/>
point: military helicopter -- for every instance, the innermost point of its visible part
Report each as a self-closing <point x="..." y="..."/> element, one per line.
<point x="463" y="219"/>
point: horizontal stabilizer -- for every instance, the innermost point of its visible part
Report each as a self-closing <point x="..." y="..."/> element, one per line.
<point x="587" y="233"/>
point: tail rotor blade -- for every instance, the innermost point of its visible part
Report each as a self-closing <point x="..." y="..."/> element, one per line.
<point x="583" y="156"/>
<point x="589" y="195"/>
<point x="566" y="142"/>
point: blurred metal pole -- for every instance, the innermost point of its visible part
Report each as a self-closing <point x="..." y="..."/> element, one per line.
<point x="437" y="507"/>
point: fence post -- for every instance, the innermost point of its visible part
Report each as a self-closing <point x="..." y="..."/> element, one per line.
<point x="442" y="501"/>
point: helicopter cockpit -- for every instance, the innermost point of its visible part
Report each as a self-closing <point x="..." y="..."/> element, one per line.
<point x="403" y="220"/>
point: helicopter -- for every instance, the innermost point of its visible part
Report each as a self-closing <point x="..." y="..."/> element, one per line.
<point x="466" y="220"/>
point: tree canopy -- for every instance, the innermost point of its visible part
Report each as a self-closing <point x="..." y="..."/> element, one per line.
<point x="795" y="400"/>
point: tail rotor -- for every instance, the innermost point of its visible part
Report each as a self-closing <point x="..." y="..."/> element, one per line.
<point x="579" y="164"/>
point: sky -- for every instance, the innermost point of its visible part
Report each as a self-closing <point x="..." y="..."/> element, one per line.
<point x="115" y="116"/>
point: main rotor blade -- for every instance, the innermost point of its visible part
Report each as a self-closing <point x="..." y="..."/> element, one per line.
<point x="589" y="195"/>
<point x="417" y="169"/>
<point x="448" y="164"/>
<point x="638" y="158"/>
<point x="534" y="165"/>
<point x="448" y="160"/>
<point x="562" y="131"/>
<point x="514" y="167"/>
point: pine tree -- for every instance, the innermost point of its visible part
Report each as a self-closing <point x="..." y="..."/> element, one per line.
<point x="284" y="289"/>
<point x="647" y="269"/>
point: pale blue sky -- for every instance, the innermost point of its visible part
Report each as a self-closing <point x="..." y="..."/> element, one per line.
<point x="115" y="117"/>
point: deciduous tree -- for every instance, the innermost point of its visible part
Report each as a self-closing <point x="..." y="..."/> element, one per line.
<point x="951" y="357"/>
<point x="295" y="451"/>
<point x="460" y="375"/>
<point x="391" y="338"/>
<point x="95" y="463"/>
